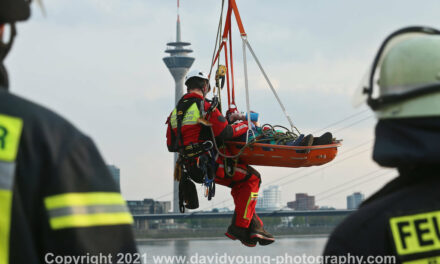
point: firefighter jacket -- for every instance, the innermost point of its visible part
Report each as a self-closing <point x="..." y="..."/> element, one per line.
<point x="402" y="220"/>
<point x="57" y="197"/>
<point x="193" y="132"/>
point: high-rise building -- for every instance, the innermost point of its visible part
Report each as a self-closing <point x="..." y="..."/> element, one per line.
<point x="354" y="200"/>
<point x="116" y="173"/>
<point x="148" y="206"/>
<point x="303" y="202"/>
<point x="178" y="63"/>
<point x="271" y="198"/>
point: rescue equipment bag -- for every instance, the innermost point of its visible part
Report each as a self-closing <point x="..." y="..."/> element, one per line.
<point x="188" y="197"/>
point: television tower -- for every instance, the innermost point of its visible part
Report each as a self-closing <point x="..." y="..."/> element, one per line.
<point x="178" y="63"/>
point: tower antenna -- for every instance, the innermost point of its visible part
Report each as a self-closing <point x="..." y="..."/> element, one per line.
<point x="178" y="62"/>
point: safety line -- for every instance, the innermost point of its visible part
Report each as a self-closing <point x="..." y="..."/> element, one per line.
<point x="344" y="184"/>
<point x="368" y="180"/>
<point x="270" y="85"/>
<point x="330" y="165"/>
<point x="354" y="123"/>
<point x="340" y="121"/>
<point x="349" y="181"/>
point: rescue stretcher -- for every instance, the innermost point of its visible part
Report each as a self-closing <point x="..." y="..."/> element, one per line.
<point x="284" y="156"/>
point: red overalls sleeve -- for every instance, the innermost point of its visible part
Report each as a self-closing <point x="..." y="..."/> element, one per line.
<point x="221" y="127"/>
<point x="218" y="122"/>
<point x="239" y="129"/>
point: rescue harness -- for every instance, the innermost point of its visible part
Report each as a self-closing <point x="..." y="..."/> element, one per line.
<point x="196" y="161"/>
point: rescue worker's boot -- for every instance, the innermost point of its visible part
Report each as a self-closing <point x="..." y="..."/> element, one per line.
<point x="324" y="139"/>
<point x="258" y="234"/>
<point x="306" y="142"/>
<point x="235" y="232"/>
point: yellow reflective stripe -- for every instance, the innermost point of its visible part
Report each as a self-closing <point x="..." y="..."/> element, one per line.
<point x="10" y="133"/>
<point x="5" y="224"/>
<point x="253" y="196"/>
<point x="190" y="123"/>
<point x="174" y="119"/>
<point x="88" y="220"/>
<point x="416" y="233"/>
<point x="190" y="118"/>
<point x="72" y="210"/>
<point x="191" y="115"/>
<point x="76" y="199"/>
<point x="424" y="261"/>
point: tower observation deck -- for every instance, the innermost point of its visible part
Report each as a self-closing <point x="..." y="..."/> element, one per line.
<point x="178" y="63"/>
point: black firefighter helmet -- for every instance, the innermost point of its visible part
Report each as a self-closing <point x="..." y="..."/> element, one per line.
<point x="11" y="11"/>
<point x="14" y="10"/>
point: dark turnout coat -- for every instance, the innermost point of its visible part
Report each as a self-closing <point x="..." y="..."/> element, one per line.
<point x="57" y="197"/>
<point x="402" y="219"/>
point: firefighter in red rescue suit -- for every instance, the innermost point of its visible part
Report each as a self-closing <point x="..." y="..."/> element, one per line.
<point x="189" y="129"/>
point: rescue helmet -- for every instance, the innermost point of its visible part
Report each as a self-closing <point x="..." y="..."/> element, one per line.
<point x="404" y="79"/>
<point x="14" y="10"/>
<point x="198" y="74"/>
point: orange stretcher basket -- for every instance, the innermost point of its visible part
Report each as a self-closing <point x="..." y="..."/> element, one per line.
<point x="284" y="156"/>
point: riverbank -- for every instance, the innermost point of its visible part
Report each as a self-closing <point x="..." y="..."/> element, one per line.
<point x="140" y="240"/>
<point x="213" y="233"/>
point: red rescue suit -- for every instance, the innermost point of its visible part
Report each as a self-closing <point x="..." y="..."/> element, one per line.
<point x="245" y="182"/>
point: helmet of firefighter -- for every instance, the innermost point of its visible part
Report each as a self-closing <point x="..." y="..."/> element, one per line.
<point x="407" y="73"/>
<point x="14" y="10"/>
<point x="198" y="74"/>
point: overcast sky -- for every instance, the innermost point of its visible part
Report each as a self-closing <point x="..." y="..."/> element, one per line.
<point x="99" y="64"/>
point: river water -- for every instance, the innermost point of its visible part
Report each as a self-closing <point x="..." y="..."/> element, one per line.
<point x="222" y="250"/>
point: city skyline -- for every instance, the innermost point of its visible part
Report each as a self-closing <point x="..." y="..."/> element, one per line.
<point x="269" y="199"/>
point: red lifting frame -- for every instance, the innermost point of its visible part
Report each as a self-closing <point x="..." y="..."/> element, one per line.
<point x="227" y="34"/>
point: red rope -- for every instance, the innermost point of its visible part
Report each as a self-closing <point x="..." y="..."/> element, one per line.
<point x="233" y="5"/>
<point x="224" y="35"/>
<point x="227" y="23"/>
<point x="232" y="66"/>
<point x="227" y="34"/>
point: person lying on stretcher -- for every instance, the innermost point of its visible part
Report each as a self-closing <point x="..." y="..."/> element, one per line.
<point x="270" y="135"/>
